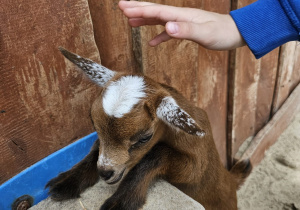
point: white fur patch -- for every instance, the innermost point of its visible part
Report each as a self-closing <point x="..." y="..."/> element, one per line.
<point x="104" y="161"/>
<point x="121" y="95"/>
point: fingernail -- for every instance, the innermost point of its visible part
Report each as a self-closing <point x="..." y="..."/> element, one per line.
<point x="172" y="27"/>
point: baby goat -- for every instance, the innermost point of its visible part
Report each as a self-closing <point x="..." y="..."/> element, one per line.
<point x="146" y="131"/>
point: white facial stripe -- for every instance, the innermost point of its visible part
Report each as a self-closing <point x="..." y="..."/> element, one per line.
<point x="121" y="95"/>
<point x="103" y="161"/>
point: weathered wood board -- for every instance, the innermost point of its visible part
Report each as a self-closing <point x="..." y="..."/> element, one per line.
<point x="288" y="73"/>
<point x="113" y="36"/>
<point x="212" y="84"/>
<point x="254" y="85"/>
<point x="265" y="89"/>
<point x="270" y="133"/>
<point x="44" y="101"/>
<point x="174" y="62"/>
<point x="252" y="93"/>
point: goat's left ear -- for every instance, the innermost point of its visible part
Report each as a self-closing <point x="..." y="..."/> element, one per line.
<point x="96" y="72"/>
<point x="171" y="113"/>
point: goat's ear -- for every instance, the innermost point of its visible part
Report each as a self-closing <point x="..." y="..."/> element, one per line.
<point x="96" y="72"/>
<point x="171" y="113"/>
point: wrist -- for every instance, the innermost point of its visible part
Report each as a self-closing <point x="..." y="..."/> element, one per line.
<point x="235" y="38"/>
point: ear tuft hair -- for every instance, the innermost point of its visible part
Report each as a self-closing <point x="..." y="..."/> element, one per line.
<point x="169" y="111"/>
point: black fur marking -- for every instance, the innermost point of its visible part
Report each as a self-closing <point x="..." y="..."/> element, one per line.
<point x="71" y="183"/>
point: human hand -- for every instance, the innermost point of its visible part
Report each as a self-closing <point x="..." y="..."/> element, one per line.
<point x="211" y="30"/>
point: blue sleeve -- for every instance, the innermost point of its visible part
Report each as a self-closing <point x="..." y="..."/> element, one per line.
<point x="267" y="24"/>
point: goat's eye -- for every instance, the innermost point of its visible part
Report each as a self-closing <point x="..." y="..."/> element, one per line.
<point x="145" y="139"/>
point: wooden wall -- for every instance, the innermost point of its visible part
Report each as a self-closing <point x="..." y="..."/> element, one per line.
<point x="45" y="103"/>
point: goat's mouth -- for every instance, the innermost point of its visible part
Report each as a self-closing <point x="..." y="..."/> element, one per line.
<point x="116" y="178"/>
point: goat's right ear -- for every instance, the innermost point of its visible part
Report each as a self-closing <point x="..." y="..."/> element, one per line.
<point x="171" y="113"/>
<point x="96" y="72"/>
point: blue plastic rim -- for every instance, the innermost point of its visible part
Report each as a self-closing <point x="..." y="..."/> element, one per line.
<point x="32" y="180"/>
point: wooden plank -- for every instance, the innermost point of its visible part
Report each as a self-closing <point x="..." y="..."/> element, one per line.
<point x="230" y="106"/>
<point x="265" y="89"/>
<point x="251" y="98"/>
<point x="254" y="85"/>
<point x="44" y="102"/>
<point x="244" y="97"/>
<point x="295" y="79"/>
<point x="212" y="84"/>
<point x="243" y="73"/>
<point x="285" y="74"/>
<point x="173" y="62"/>
<point x="270" y="133"/>
<point x="113" y="36"/>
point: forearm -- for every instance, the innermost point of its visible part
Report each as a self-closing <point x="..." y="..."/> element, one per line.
<point x="267" y="24"/>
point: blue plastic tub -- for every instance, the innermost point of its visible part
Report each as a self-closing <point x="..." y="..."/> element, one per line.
<point x="32" y="180"/>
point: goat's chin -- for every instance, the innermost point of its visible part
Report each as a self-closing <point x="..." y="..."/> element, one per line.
<point x="116" y="178"/>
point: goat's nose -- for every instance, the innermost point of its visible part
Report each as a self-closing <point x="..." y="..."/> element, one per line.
<point x="106" y="175"/>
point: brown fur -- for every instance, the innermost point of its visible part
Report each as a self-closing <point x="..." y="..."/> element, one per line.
<point x="189" y="162"/>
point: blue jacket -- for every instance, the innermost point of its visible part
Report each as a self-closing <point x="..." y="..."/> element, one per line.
<point x="267" y="24"/>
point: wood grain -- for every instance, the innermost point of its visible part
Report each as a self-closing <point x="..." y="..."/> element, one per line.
<point x="173" y="62"/>
<point x="244" y="97"/>
<point x="252" y="94"/>
<point x="113" y="36"/>
<point x="288" y="74"/>
<point x="212" y="88"/>
<point x="295" y="79"/>
<point x="270" y="133"/>
<point x="265" y="89"/>
<point x="44" y="101"/>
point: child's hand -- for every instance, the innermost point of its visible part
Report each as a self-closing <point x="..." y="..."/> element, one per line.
<point x="211" y="30"/>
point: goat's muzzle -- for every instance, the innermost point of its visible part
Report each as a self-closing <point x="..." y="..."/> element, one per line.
<point x="106" y="175"/>
<point x="110" y="176"/>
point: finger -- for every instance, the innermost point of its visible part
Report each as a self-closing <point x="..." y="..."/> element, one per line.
<point x="129" y="4"/>
<point x="135" y="22"/>
<point x="162" y="37"/>
<point x="164" y="13"/>
<point x="204" y="34"/>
